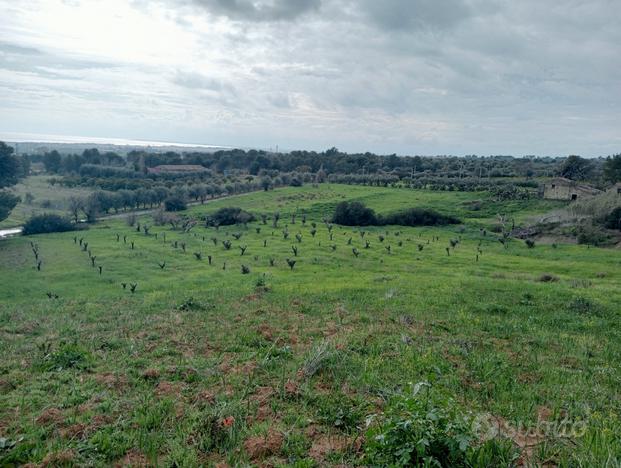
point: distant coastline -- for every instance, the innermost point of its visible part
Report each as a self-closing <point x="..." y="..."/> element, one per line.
<point x="36" y="138"/>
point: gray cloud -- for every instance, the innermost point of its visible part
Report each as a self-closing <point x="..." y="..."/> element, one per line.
<point x="259" y="10"/>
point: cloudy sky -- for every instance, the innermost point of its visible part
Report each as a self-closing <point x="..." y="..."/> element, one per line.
<point x="405" y="76"/>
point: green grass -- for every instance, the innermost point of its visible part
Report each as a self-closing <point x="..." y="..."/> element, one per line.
<point x="201" y="366"/>
<point x="47" y="199"/>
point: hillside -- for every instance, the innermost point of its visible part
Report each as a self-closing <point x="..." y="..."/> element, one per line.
<point x="307" y="364"/>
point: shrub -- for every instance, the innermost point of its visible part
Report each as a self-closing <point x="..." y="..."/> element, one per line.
<point x="354" y="213"/>
<point x="174" y="203"/>
<point x="428" y="430"/>
<point x="45" y="223"/>
<point x="229" y="216"/>
<point x="418" y="217"/>
<point x="613" y="219"/>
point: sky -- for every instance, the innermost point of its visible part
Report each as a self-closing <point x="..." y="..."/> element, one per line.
<point x="527" y="77"/>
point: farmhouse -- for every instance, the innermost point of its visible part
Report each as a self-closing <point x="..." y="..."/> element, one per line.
<point x="176" y="169"/>
<point x="566" y="189"/>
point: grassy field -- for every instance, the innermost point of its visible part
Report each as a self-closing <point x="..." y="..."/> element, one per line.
<point x="341" y="361"/>
<point x="46" y="199"/>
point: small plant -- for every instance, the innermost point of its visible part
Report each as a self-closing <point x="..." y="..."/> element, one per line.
<point x="209" y="259"/>
<point x="291" y="263"/>
<point x="367" y="244"/>
<point x="275" y="219"/>
<point x="132" y="245"/>
<point x="381" y="238"/>
<point x="183" y="246"/>
<point x="454" y="242"/>
<point x="530" y="243"/>
<point x="245" y="270"/>
<point x="547" y="278"/>
<point x="333" y="247"/>
<point x="313" y="232"/>
<point x="294" y="249"/>
<point x="100" y="269"/>
<point x="387" y="247"/>
<point x="264" y="218"/>
<point x="285" y="234"/>
<point x="448" y="251"/>
<point x="420" y="247"/>
<point x="124" y="285"/>
<point x="349" y="241"/>
<point x="162" y="265"/>
<point x="214" y="240"/>
<point x="242" y="249"/>
<point x="132" y="287"/>
<point x="264" y="242"/>
<point x="355" y="251"/>
<point x="258" y="229"/>
<point x="272" y="262"/>
<point x="227" y="244"/>
<point x="198" y="255"/>
<point x="298" y="236"/>
<point x="237" y="235"/>
<point x="93" y="261"/>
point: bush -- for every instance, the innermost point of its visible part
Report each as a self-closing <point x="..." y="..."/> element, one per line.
<point x="418" y="217"/>
<point x="613" y="219"/>
<point x="229" y="216"/>
<point x="354" y="213"/>
<point x="175" y="203"/>
<point x="423" y="429"/>
<point x="45" y="223"/>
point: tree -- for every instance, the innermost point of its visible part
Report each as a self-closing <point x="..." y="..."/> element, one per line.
<point x="76" y="204"/>
<point x="7" y="203"/>
<point x="576" y="168"/>
<point x="9" y="172"/>
<point x="354" y="213"/>
<point x="52" y="162"/>
<point x="174" y="203"/>
<point x="612" y="168"/>
<point x="45" y="223"/>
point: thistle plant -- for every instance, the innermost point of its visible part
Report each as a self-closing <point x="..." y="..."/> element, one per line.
<point x="209" y="259"/>
<point x="227" y="244"/>
<point x="367" y="244"/>
<point x="39" y="265"/>
<point x="198" y="255"/>
<point x="245" y="270"/>
<point x="242" y="249"/>
<point x="118" y="238"/>
<point x="448" y="251"/>
<point x="400" y="243"/>
<point x="355" y="251"/>
<point x="237" y="235"/>
<point x="313" y="232"/>
<point x="298" y="236"/>
<point x="293" y="218"/>
<point x="272" y="262"/>
<point x="183" y="246"/>
<point x="285" y="234"/>
<point x="258" y="229"/>
<point x="291" y="263"/>
<point x="387" y="247"/>
<point x="530" y="243"/>
<point x="264" y="242"/>
<point x="294" y="249"/>
<point x="420" y="247"/>
<point x="303" y="220"/>
<point x="162" y="265"/>
<point x="275" y="219"/>
<point x="132" y="287"/>
<point x="93" y="261"/>
<point x="333" y="247"/>
<point x="100" y="269"/>
<point x="124" y="285"/>
<point x="214" y="240"/>
<point x="381" y="238"/>
<point x="132" y="245"/>
<point x="349" y="241"/>
<point x="124" y="239"/>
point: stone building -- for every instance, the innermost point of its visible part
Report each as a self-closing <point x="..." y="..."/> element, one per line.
<point x="566" y="189"/>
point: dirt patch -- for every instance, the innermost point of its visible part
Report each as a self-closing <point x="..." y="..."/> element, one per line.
<point x="51" y="416"/>
<point x="135" y="459"/>
<point x="151" y="374"/>
<point x="64" y="457"/>
<point x="327" y="444"/>
<point x="112" y="381"/>
<point x="266" y="332"/>
<point x="165" y="388"/>
<point x="205" y="397"/>
<point x="292" y="389"/>
<point x="264" y="446"/>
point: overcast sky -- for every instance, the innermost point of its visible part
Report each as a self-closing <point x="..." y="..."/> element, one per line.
<point x="404" y="76"/>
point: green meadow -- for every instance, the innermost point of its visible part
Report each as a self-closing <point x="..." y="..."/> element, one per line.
<point x="310" y="365"/>
<point x="45" y="199"/>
